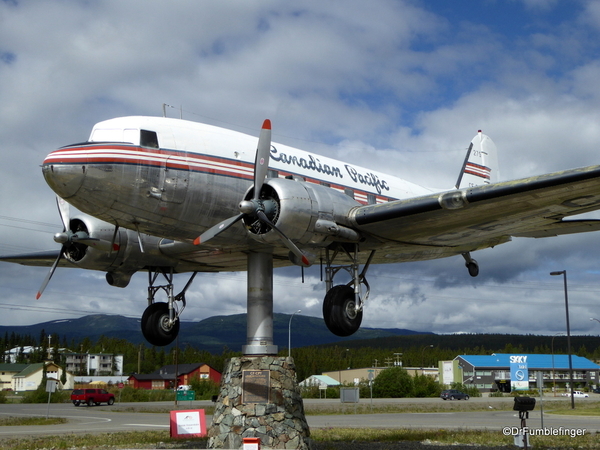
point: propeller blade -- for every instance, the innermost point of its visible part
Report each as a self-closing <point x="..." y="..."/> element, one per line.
<point x="65" y="212"/>
<point x="286" y="240"/>
<point x="261" y="163"/>
<point x="50" y="273"/>
<point x="215" y="230"/>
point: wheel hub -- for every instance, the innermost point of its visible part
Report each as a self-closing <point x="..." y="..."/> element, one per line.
<point x="351" y="309"/>
<point x="164" y="323"/>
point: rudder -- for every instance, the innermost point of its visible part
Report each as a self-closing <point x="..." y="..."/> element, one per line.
<point x="481" y="163"/>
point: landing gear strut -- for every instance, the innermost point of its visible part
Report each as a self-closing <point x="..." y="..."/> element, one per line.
<point x="160" y="321"/>
<point x="343" y="304"/>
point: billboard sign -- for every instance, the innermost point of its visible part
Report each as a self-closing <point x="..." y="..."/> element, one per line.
<point x="519" y="373"/>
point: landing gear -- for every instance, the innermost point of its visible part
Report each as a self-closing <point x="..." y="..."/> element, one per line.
<point x="343" y="304"/>
<point x="157" y="327"/>
<point x="160" y="321"/>
<point x="340" y="311"/>
<point x="471" y="264"/>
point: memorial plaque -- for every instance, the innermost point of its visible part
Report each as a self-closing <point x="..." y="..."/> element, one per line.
<point x="256" y="385"/>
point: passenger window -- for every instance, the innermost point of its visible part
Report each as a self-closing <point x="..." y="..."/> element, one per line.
<point x="273" y="174"/>
<point x="349" y="192"/>
<point x="148" y="139"/>
<point x="371" y="199"/>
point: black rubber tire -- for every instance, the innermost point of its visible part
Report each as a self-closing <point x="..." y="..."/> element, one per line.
<point x="153" y="317"/>
<point x="338" y="311"/>
<point x="466" y="397"/>
<point x="110" y="401"/>
<point x="90" y="402"/>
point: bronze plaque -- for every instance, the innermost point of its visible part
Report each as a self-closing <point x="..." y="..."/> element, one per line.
<point x="256" y="386"/>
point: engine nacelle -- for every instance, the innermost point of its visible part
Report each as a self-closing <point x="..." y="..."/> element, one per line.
<point x="306" y="213"/>
<point x="93" y="244"/>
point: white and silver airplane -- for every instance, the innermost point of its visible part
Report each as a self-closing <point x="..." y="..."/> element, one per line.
<point x="169" y="196"/>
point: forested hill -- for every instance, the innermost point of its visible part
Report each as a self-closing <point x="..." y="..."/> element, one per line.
<point x="314" y="348"/>
<point x="212" y="334"/>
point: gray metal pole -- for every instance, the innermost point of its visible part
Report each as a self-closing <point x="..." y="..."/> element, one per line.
<point x="290" y="334"/>
<point x="564" y="274"/>
<point x="259" y="334"/>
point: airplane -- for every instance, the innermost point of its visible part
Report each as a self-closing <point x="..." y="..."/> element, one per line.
<point x="171" y="196"/>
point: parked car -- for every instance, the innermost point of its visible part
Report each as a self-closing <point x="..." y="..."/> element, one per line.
<point x="91" y="397"/>
<point x="453" y="394"/>
<point x="596" y="391"/>
<point x="184" y="387"/>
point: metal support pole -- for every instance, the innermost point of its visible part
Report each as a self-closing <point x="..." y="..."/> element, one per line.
<point x="259" y="335"/>
<point x="564" y="274"/>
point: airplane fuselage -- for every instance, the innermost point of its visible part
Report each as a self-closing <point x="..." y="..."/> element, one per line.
<point x="173" y="179"/>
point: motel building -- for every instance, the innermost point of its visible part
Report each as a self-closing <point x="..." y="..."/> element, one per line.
<point x="505" y="372"/>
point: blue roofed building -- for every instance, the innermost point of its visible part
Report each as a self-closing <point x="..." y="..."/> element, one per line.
<point x="506" y="372"/>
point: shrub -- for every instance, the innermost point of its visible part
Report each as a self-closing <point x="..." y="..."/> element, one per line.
<point x="394" y="382"/>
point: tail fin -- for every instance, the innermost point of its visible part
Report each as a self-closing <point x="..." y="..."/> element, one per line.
<point x="481" y="163"/>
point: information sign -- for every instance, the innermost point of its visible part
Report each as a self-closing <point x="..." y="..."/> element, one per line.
<point x="187" y="424"/>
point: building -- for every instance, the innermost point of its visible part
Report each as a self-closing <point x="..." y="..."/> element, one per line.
<point x="7" y="372"/>
<point x="506" y="372"/>
<point x="321" y="381"/>
<point x="164" y="378"/>
<point x="355" y="376"/>
<point x="94" y="363"/>
<point x="31" y="376"/>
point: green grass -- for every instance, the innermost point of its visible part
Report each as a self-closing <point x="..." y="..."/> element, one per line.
<point x="29" y="421"/>
<point x="325" y="435"/>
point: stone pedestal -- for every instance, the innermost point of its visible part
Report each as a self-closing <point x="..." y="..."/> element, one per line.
<point x="259" y="398"/>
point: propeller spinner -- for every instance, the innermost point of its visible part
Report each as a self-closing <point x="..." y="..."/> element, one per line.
<point x="254" y="208"/>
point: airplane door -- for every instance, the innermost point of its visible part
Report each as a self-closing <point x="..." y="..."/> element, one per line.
<point x="175" y="181"/>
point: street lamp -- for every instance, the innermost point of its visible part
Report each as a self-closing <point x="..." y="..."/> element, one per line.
<point x="553" y="376"/>
<point x="290" y="334"/>
<point x="340" y="370"/>
<point x="423" y="356"/>
<point x="564" y="274"/>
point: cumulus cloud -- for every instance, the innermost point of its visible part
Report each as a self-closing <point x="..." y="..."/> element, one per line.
<point x="396" y="86"/>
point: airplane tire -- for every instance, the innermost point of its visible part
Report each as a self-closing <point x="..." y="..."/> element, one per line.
<point x="154" y="326"/>
<point x="338" y="311"/>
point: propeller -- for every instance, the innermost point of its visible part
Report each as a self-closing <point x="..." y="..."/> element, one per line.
<point x="255" y="207"/>
<point x="68" y="238"/>
<point x="63" y="209"/>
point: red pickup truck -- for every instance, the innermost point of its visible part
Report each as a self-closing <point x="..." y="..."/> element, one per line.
<point x="91" y="397"/>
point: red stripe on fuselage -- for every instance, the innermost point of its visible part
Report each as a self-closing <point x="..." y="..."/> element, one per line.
<point x="172" y="159"/>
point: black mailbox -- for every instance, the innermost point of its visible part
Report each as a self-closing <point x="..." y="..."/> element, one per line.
<point x="524" y="404"/>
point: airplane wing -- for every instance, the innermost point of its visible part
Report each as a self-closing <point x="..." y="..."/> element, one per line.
<point x="530" y="207"/>
<point x="41" y="259"/>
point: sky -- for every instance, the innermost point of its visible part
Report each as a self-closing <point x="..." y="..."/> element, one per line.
<point x="400" y="86"/>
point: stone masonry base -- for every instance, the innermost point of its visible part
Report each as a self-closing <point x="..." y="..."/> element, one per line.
<point x="259" y="398"/>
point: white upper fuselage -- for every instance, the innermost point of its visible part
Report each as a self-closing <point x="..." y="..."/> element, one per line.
<point x="225" y="152"/>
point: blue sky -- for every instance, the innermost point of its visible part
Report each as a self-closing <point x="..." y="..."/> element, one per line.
<point x="397" y="86"/>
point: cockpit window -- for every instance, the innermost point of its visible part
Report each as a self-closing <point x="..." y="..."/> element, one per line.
<point x="148" y="139"/>
<point x="127" y="135"/>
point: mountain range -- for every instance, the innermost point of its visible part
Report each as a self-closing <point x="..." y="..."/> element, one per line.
<point x="212" y="334"/>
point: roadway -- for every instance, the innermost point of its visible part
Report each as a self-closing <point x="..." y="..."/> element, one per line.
<point x="128" y="417"/>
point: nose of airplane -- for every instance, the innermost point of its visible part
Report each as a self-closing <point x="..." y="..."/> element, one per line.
<point x="64" y="172"/>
